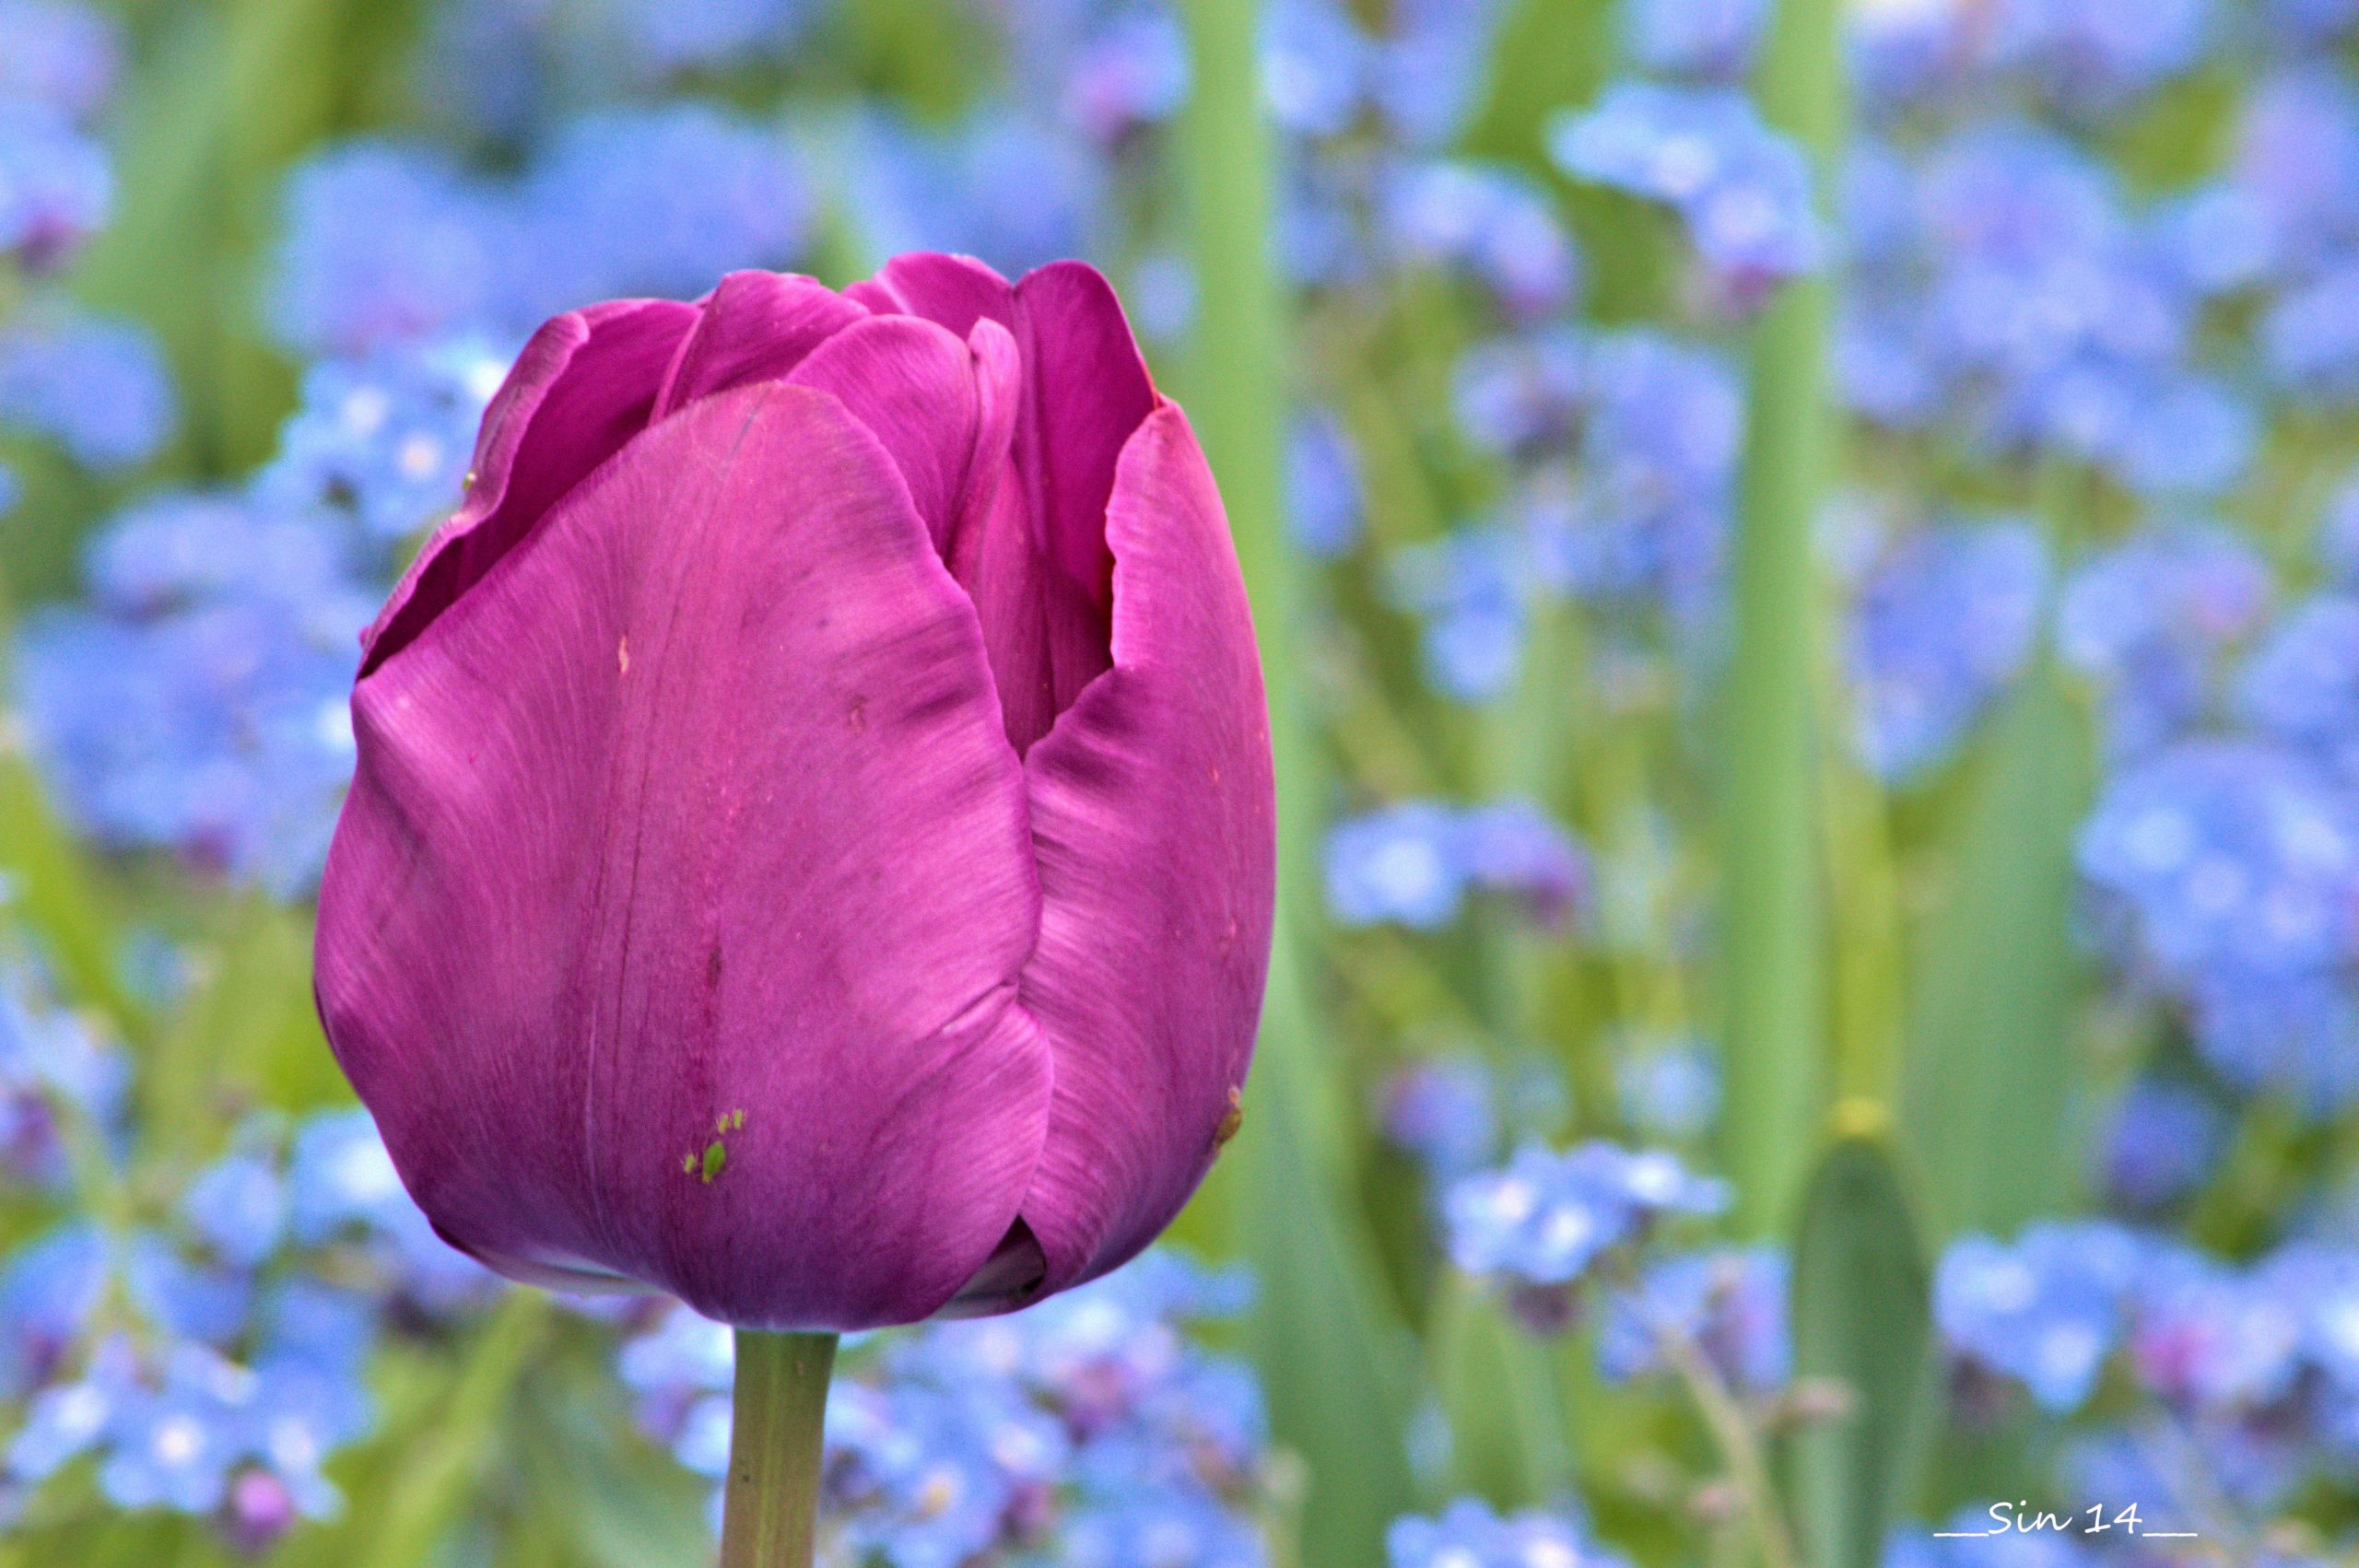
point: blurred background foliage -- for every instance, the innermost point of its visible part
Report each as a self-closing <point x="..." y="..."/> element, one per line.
<point x="1808" y="559"/>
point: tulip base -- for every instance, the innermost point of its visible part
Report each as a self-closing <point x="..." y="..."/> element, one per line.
<point x="770" y="1512"/>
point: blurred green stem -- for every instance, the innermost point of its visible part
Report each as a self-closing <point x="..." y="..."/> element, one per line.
<point x="1740" y="1444"/>
<point x="1238" y="404"/>
<point x="1323" y="1329"/>
<point x="440" y="1476"/>
<point x="777" y="1439"/>
<point x="1870" y="968"/>
<point x="1775" y="920"/>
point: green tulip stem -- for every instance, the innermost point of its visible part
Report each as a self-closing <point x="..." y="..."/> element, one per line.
<point x="770" y="1515"/>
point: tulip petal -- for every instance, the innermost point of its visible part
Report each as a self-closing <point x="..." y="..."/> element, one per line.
<point x="1035" y="558"/>
<point x="1085" y="388"/>
<point x="577" y="393"/>
<point x="673" y="925"/>
<point x="1154" y="825"/>
<point x="913" y="385"/>
<point x="756" y="326"/>
<point x="1089" y="391"/>
<point x="953" y="292"/>
<point x="999" y="564"/>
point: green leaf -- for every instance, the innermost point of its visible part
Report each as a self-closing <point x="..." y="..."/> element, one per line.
<point x="1551" y="54"/>
<point x="248" y="1033"/>
<point x="1323" y="1332"/>
<point x="1861" y="1323"/>
<point x="1498" y="1387"/>
<point x="1986" y="1085"/>
<point x="430" y="1470"/>
<point x="57" y="892"/>
<point x="618" y="1502"/>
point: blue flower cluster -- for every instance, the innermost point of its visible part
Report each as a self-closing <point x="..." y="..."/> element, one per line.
<point x="97" y="388"/>
<point x="492" y="68"/>
<point x="94" y="387"/>
<point x="1468" y="1534"/>
<point x="1713" y="40"/>
<point x="2160" y="1142"/>
<point x="1090" y="1430"/>
<point x="386" y="438"/>
<point x="195" y="701"/>
<point x="388" y="241"/>
<point x="58" y="64"/>
<point x="2007" y="287"/>
<point x="2232" y="866"/>
<point x="2045" y="1311"/>
<point x="198" y="703"/>
<point x="1541" y="1224"/>
<point x="1324" y="498"/>
<point x="2255" y="1366"/>
<point x="2259" y="1361"/>
<point x="1454" y="1114"/>
<point x="1622" y="450"/>
<point x="1742" y="189"/>
<point x="1445" y="1113"/>
<point x="1669" y="1089"/>
<point x="60" y="1084"/>
<point x="1943" y="621"/>
<point x="210" y="1359"/>
<point x="2148" y="622"/>
<point x="1415" y="863"/>
<point x="1728" y="1302"/>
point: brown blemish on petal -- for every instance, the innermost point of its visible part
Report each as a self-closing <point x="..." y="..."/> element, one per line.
<point x="1230" y="1120"/>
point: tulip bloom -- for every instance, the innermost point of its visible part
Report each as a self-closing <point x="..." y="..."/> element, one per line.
<point x="812" y="848"/>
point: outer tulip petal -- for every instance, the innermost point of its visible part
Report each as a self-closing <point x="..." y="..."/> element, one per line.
<point x="577" y="393"/>
<point x="1154" y="823"/>
<point x="615" y="870"/>
<point x="913" y="385"/>
<point x="757" y="327"/>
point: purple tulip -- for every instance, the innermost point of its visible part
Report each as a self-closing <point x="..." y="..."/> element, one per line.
<point x="813" y="843"/>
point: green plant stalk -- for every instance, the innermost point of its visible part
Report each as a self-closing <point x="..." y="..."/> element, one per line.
<point x="1740" y="1446"/>
<point x="1774" y="917"/>
<point x="777" y="1439"/>
<point x="1239" y="390"/>
<point x="1324" y="1332"/>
